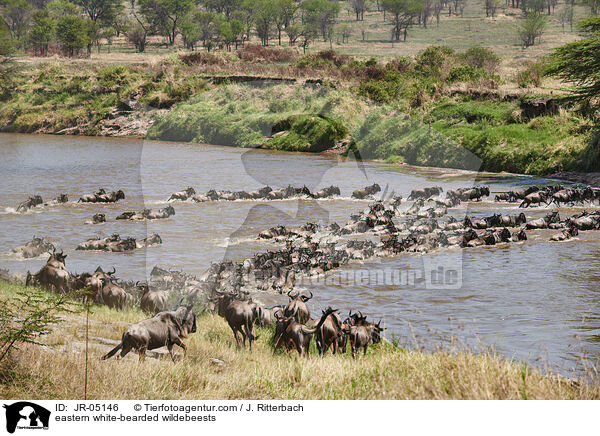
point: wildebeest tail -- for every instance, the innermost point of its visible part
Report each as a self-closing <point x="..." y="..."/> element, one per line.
<point x="112" y="352"/>
<point x="251" y="337"/>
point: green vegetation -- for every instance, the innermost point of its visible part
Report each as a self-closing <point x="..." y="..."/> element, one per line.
<point x="300" y="117"/>
<point x="579" y="63"/>
<point x="215" y="368"/>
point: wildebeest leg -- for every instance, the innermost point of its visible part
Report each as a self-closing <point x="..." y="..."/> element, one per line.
<point x="365" y="350"/>
<point x="142" y="353"/>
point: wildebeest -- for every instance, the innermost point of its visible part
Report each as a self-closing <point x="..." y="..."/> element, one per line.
<point x="182" y="195"/>
<point x="544" y="222"/>
<point x="326" y="192"/>
<point x="150" y="241"/>
<point x="425" y="192"/>
<point x="97" y="219"/>
<point x="537" y="197"/>
<point x="364" y="334"/>
<point x="53" y="275"/>
<point x="111" y="243"/>
<point x="102" y="197"/>
<point x="31" y="202"/>
<point x="297" y="307"/>
<point x="164" y="329"/>
<point x="34" y="248"/>
<point x="366" y="191"/>
<point x="152" y="301"/>
<point x="329" y="333"/>
<point x="111" y="294"/>
<point x="294" y="335"/>
<point x="566" y="234"/>
<point x="239" y="314"/>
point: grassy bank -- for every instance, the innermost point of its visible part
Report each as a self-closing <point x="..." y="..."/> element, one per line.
<point x="440" y="108"/>
<point x="215" y="368"/>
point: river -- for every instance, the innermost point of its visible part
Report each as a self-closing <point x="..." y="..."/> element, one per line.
<point x="535" y="301"/>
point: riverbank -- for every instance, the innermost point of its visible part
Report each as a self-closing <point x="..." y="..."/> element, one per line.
<point x="437" y="109"/>
<point x="215" y="368"/>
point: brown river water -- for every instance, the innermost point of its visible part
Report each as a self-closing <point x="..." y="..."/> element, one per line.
<point x="535" y="300"/>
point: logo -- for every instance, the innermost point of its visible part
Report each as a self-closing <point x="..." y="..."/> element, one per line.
<point x="26" y="415"/>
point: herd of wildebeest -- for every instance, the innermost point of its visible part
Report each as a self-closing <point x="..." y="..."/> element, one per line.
<point x="421" y="223"/>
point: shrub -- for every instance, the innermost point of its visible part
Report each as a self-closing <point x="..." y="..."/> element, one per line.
<point x="481" y="57"/>
<point x="258" y="53"/>
<point x="435" y="61"/>
<point x="202" y="58"/>
<point x="531" y="75"/>
<point x="465" y="73"/>
<point x="336" y="58"/>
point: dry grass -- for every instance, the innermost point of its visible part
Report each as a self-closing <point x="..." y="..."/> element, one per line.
<point x="216" y="369"/>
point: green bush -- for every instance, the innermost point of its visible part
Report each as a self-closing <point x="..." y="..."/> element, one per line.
<point x="465" y="73"/>
<point x="386" y="134"/>
<point x="481" y="57"/>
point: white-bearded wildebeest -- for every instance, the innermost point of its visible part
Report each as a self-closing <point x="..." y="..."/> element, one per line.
<point x="34" y="248"/>
<point x="297" y="307"/>
<point x="296" y="336"/>
<point x="152" y="301"/>
<point x="53" y="275"/>
<point x="103" y="197"/>
<point x="239" y="314"/>
<point x="366" y="191"/>
<point x="182" y="195"/>
<point x="364" y="334"/>
<point x="164" y="329"/>
<point x="329" y="333"/>
<point x="31" y="202"/>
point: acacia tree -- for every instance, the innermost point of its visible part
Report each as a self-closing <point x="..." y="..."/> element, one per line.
<point x="101" y="10"/>
<point x="72" y="34"/>
<point x="40" y="34"/>
<point x="532" y="28"/>
<point x="403" y="14"/>
<point x="284" y="14"/>
<point x="359" y="7"/>
<point x="166" y="15"/>
<point x="579" y="62"/>
<point x="16" y="14"/>
<point x="320" y="14"/>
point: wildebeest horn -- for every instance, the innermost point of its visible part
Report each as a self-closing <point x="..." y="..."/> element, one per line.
<point x="311" y="295"/>
<point x="113" y="271"/>
<point x="289" y="292"/>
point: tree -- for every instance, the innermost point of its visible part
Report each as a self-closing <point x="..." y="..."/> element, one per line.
<point x="40" y="34"/>
<point x="138" y="35"/>
<point x="403" y="13"/>
<point x="566" y="16"/>
<point x="284" y="14"/>
<point x="594" y="6"/>
<point x="7" y="66"/>
<point x="532" y="28"/>
<point x="263" y="13"/>
<point x="190" y="30"/>
<point x="16" y="14"/>
<point x="165" y="15"/>
<point x="579" y="62"/>
<point x="491" y="6"/>
<point x="320" y="14"/>
<point x="293" y="31"/>
<point x="28" y="316"/>
<point x="60" y="8"/>
<point x="359" y="7"/>
<point x="72" y="34"/>
<point x="101" y="10"/>
<point x="309" y="33"/>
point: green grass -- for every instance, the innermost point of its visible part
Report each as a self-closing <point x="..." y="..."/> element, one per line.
<point x="310" y="118"/>
<point x="215" y="368"/>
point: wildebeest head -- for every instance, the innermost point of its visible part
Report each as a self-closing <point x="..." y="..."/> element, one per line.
<point x="57" y="257"/>
<point x="120" y="195"/>
<point x="190" y="191"/>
